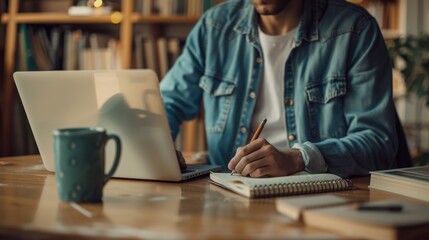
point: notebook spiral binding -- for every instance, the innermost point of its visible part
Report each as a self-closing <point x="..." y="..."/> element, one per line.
<point x="301" y="188"/>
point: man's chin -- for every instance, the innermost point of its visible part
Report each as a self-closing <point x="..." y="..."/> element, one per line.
<point x="268" y="11"/>
<point x="270" y="8"/>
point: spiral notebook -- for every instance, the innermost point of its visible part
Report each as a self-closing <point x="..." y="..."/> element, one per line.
<point x="301" y="183"/>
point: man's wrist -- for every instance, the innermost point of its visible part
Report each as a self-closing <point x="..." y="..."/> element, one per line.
<point x="298" y="160"/>
<point x="312" y="157"/>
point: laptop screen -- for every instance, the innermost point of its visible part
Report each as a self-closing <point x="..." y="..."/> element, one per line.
<point x="125" y="102"/>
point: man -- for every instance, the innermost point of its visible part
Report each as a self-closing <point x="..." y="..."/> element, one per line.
<point x="319" y="72"/>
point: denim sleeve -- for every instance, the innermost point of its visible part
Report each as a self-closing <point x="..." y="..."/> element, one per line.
<point x="371" y="140"/>
<point x="179" y="88"/>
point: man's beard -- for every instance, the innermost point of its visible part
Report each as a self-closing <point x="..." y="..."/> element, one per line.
<point x="270" y="7"/>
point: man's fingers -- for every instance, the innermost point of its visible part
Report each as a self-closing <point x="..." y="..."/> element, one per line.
<point x="246" y="160"/>
<point x="234" y="160"/>
<point x="246" y="154"/>
<point x="253" y="166"/>
<point x="261" y="172"/>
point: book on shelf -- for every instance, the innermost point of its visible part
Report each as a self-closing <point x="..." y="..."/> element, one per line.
<point x="161" y="44"/>
<point x="151" y="54"/>
<point x="40" y="54"/>
<point x="26" y="57"/>
<point x="115" y="53"/>
<point x="300" y="183"/>
<point x="44" y="6"/>
<point x="89" y="51"/>
<point x="410" y="222"/>
<point x="43" y="48"/>
<point x="385" y="13"/>
<point x="412" y="182"/>
<point x="52" y="45"/>
<point x="147" y="7"/>
<point x="158" y="54"/>
<point x="173" y="7"/>
<point x="139" y="62"/>
<point x="173" y="50"/>
<point x="95" y="49"/>
<point x="70" y="62"/>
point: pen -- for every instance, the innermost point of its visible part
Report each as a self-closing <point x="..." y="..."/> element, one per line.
<point x="256" y="134"/>
<point x="259" y="129"/>
<point x="386" y="208"/>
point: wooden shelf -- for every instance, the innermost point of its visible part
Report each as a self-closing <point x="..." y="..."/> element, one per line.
<point x="60" y="18"/>
<point x="55" y="18"/>
<point x="138" y="18"/>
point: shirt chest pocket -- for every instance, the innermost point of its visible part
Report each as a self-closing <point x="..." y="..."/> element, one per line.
<point x="325" y="91"/>
<point x="325" y="108"/>
<point x="217" y="98"/>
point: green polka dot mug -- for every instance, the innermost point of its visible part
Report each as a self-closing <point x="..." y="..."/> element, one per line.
<point x="79" y="163"/>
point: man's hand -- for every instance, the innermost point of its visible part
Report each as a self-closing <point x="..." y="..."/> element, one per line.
<point x="261" y="159"/>
<point x="181" y="160"/>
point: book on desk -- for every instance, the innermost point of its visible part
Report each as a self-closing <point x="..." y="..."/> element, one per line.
<point x="387" y="219"/>
<point x="411" y="182"/>
<point x="294" y="207"/>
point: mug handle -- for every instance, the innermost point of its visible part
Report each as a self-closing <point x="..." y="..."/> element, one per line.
<point x="117" y="156"/>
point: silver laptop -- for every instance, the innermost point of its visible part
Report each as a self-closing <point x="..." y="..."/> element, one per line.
<point x="125" y="102"/>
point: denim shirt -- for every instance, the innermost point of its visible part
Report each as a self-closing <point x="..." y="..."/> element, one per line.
<point x="337" y="92"/>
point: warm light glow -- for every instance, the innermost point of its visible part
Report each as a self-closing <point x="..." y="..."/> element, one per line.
<point x="116" y="17"/>
<point x="98" y="3"/>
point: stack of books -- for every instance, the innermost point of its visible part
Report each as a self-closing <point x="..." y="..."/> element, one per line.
<point x="383" y="219"/>
<point x="411" y="182"/>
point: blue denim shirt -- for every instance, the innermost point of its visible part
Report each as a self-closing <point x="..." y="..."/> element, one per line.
<point x="337" y="92"/>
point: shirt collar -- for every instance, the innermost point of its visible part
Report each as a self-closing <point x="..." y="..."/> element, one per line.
<point x="308" y="26"/>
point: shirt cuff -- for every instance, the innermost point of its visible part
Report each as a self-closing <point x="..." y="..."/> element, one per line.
<point x="313" y="159"/>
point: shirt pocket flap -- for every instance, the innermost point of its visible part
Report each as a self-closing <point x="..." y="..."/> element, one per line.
<point x="324" y="91"/>
<point x="216" y="87"/>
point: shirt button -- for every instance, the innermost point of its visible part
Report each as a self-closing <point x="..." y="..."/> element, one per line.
<point x="258" y="60"/>
<point x="252" y="95"/>
<point x="243" y="130"/>
<point x="291" y="137"/>
<point x="289" y="102"/>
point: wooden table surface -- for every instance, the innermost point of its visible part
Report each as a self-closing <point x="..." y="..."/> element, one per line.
<point x="136" y="209"/>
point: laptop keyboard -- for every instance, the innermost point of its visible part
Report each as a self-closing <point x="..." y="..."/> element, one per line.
<point x="187" y="171"/>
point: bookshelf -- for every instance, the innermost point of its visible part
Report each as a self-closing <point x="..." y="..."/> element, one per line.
<point x="387" y="14"/>
<point x="126" y="19"/>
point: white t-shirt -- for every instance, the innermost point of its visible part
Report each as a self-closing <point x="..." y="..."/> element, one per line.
<point x="270" y="98"/>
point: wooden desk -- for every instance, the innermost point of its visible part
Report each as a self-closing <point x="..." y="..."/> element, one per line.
<point x="29" y="207"/>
